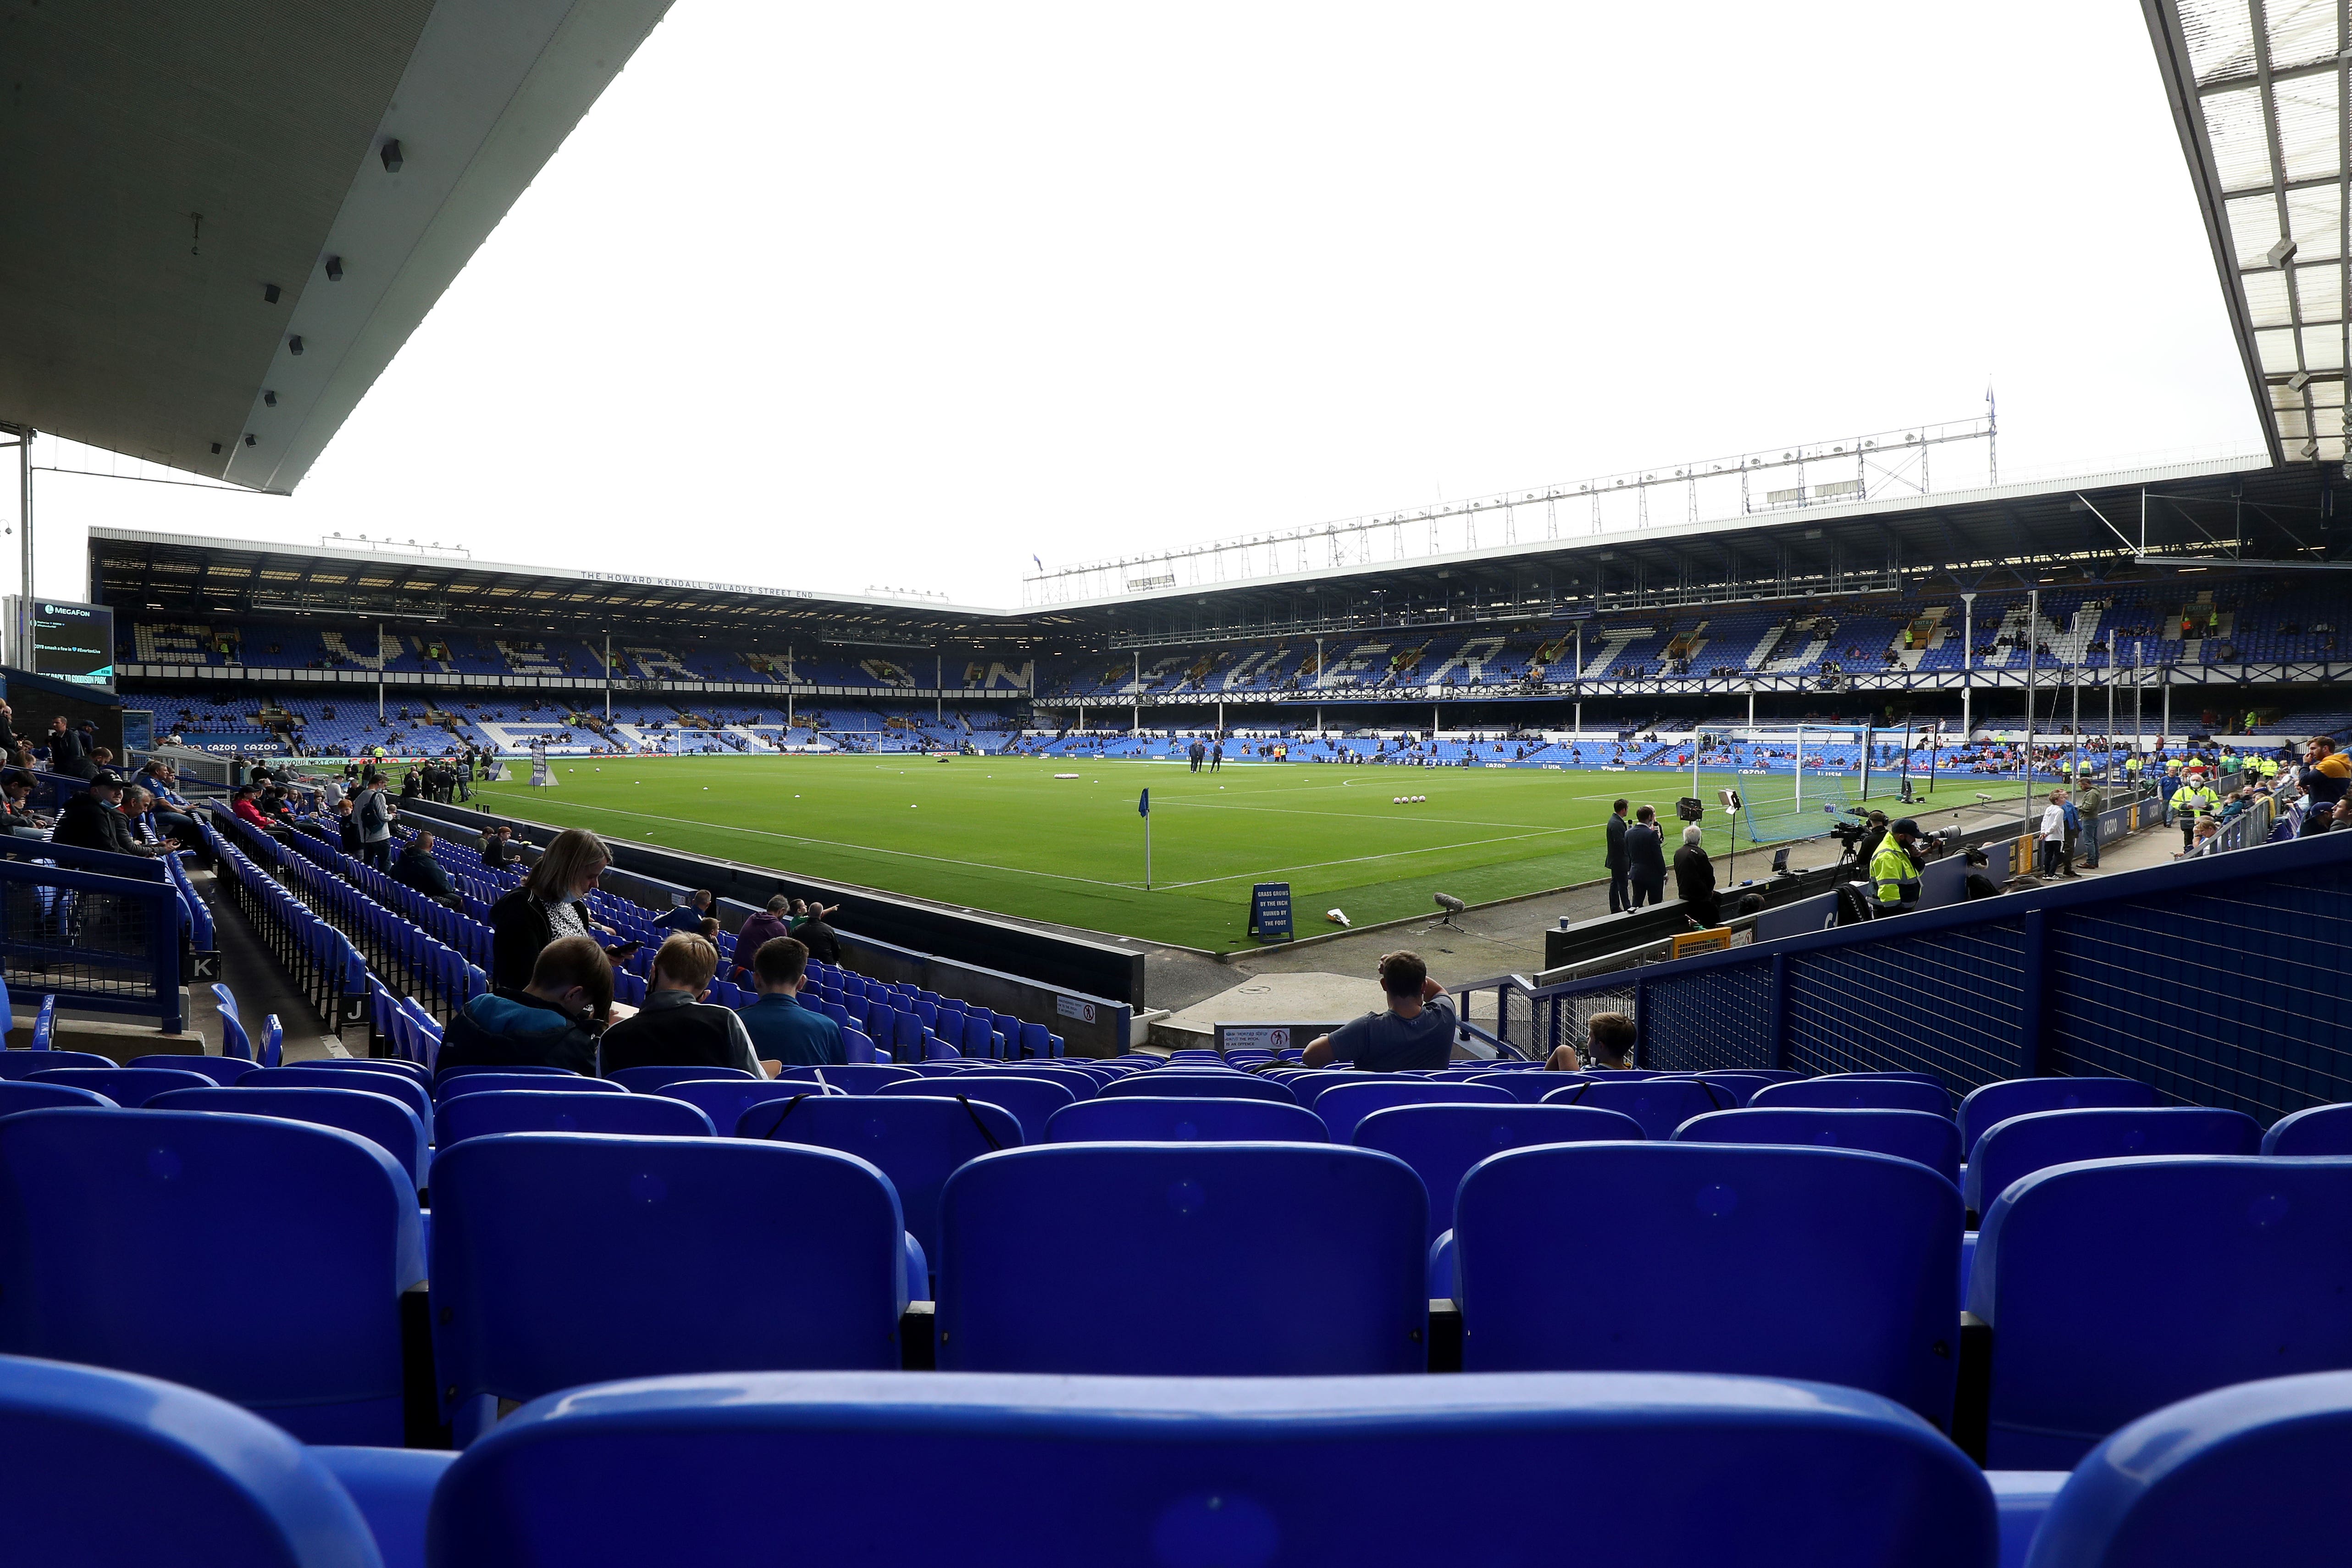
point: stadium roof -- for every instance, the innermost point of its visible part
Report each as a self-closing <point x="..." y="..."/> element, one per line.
<point x="2261" y="95"/>
<point x="2105" y="528"/>
<point x="222" y="224"/>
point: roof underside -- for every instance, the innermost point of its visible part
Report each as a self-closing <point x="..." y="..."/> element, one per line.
<point x="2114" y="528"/>
<point x="2258" y="90"/>
<point x="170" y="164"/>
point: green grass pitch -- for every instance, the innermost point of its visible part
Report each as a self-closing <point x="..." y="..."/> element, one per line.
<point x="1007" y="836"/>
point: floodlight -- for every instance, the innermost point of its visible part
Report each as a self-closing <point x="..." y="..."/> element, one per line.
<point x="392" y="159"/>
<point x="269" y="293"/>
<point x="2298" y="381"/>
<point x="248" y="438"/>
<point x="268" y="399"/>
<point x="2279" y="253"/>
<point x="294" y="346"/>
<point x="334" y="269"/>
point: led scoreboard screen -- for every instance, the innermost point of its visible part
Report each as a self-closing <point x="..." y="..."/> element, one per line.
<point x="74" y="642"/>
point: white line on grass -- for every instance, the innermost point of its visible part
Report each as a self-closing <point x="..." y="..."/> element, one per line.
<point x="1358" y="859"/>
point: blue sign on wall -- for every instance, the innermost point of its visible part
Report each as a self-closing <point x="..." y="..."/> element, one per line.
<point x="1269" y="918"/>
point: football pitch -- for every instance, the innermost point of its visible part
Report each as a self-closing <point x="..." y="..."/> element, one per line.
<point x="1007" y="836"/>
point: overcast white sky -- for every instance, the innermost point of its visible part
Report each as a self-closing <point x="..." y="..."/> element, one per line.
<point x="833" y="296"/>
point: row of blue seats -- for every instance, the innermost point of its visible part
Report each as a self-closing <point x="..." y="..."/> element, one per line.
<point x="1830" y="1264"/>
<point x="122" y="1472"/>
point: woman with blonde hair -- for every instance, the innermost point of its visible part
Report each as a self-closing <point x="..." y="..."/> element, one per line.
<point x="553" y="902"/>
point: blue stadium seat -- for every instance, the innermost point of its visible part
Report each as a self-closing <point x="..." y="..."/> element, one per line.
<point x="1659" y="1105"/>
<point x="1079" y="1472"/>
<point x="414" y="1072"/>
<point x="107" y="1468"/>
<point x="1082" y="1084"/>
<point x="2319" y="1131"/>
<point x="1200" y="1085"/>
<point x="455" y="1088"/>
<point x="1826" y="1264"/>
<point x="25" y="1064"/>
<point x="725" y="1100"/>
<point x="1853" y="1093"/>
<point x="381" y="1118"/>
<point x="1031" y="1100"/>
<point x="260" y="1260"/>
<point x="1528" y="1087"/>
<point x="656" y="1079"/>
<point x="220" y="1069"/>
<point x="1342" y="1106"/>
<point x="394" y="1489"/>
<point x="2017" y="1146"/>
<point x="1154" y="1119"/>
<point x="17" y="1095"/>
<point x="695" y="1255"/>
<point x="529" y="1069"/>
<point x="1441" y="1142"/>
<point x="916" y="1141"/>
<point x="540" y="1110"/>
<point x="2250" y="1472"/>
<point x="307" y="1075"/>
<point x="126" y="1087"/>
<point x="1192" y="1260"/>
<point x="2023" y="1096"/>
<point x="1932" y="1141"/>
<point x="857" y="1077"/>
<point x="2197" y="1273"/>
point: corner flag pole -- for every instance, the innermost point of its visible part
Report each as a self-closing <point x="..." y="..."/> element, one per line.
<point x="1143" y="808"/>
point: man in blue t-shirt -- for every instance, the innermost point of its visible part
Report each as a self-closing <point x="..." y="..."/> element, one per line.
<point x="689" y="915"/>
<point x="781" y="1028"/>
<point x="1415" y="1034"/>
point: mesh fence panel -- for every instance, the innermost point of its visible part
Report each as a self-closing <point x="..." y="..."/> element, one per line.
<point x="1778" y="817"/>
<point x="1709" y="1021"/>
<point x="1949" y="1003"/>
<point x="75" y="943"/>
<point x="2233" y="997"/>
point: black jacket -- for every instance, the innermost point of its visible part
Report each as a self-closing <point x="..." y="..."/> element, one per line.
<point x="519" y="929"/>
<point x="1614" y="859"/>
<point x="1695" y="884"/>
<point x="416" y="869"/>
<point x="696" y="1035"/>
<point x="1646" y="854"/>
<point x="819" y="939"/>
<point x="86" y="822"/>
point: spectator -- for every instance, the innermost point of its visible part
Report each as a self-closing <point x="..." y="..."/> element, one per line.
<point x="1610" y="1039"/>
<point x="139" y="816"/>
<point x="373" y="810"/>
<point x="417" y="869"/>
<point x="761" y="928"/>
<point x="242" y="806"/>
<point x="2325" y="774"/>
<point x="1645" y="859"/>
<point x="676" y="1027"/>
<point x="65" y="748"/>
<point x="2054" y="836"/>
<point x="498" y="847"/>
<point x="689" y="916"/>
<point x="1612" y="860"/>
<point x="553" y="1020"/>
<point x="2208" y="838"/>
<point x="17" y="814"/>
<point x="809" y="924"/>
<point x="1694" y="878"/>
<point x="781" y="1027"/>
<point x="551" y="904"/>
<point x="93" y="819"/>
<point x="1414" y="1035"/>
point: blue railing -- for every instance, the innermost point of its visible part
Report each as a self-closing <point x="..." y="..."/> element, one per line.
<point x="2225" y="980"/>
<point x="99" y="942"/>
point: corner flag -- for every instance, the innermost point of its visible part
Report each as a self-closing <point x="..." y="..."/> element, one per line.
<point x="1143" y="807"/>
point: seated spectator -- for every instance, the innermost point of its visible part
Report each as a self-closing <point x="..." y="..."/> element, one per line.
<point x="1609" y="1042"/>
<point x="759" y="929"/>
<point x="498" y="846"/>
<point x="781" y="1027"/>
<point x="689" y="916"/>
<point x="676" y="1027"/>
<point x="17" y="814"/>
<point x="809" y="925"/>
<point x="416" y="869"/>
<point x="1415" y="1033"/>
<point x="242" y="806"/>
<point x="2208" y="836"/>
<point x="553" y="1021"/>
<point x="93" y="819"/>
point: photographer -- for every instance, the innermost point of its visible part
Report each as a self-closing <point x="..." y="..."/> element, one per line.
<point x="1874" y="833"/>
<point x="1894" y="868"/>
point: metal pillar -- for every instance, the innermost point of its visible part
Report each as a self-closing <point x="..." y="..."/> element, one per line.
<point x="608" y="675"/>
<point x="1801" y="768"/>
<point x="2075" y="768"/>
<point x="1968" y="665"/>
<point x="938" y="678"/>
<point x="2032" y="664"/>
<point x="2139" y="738"/>
<point x="23" y="626"/>
<point x="378" y="672"/>
<point x="1751" y="707"/>
<point x="1136" y="727"/>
